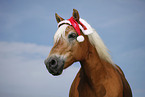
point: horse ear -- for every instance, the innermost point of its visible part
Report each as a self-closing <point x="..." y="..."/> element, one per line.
<point x="58" y="18"/>
<point x="76" y="15"/>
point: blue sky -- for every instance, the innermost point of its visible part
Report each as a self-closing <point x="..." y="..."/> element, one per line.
<point x="26" y="37"/>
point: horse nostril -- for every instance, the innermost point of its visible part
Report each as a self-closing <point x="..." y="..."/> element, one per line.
<point x="53" y="63"/>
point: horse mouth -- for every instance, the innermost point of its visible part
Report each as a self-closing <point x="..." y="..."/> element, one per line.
<point x="55" y="72"/>
<point x="54" y="65"/>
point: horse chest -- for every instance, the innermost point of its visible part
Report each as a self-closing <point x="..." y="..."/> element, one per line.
<point x="81" y="88"/>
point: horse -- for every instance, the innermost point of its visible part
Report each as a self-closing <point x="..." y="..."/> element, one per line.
<point x="75" y="40"/>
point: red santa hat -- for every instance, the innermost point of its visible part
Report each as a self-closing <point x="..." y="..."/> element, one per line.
<point x="84" y="26"/>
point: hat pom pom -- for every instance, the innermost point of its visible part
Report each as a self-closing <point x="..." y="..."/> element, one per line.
<point x="80" y="38"/>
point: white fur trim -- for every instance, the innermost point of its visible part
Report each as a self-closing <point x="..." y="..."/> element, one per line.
<point x="88" y="26"/>
<point x="80" y="38"/>
<point x="64" y="21"/>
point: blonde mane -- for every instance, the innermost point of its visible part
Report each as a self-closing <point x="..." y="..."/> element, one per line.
<point x="102" y="50"/>
<point x="60" y="33"/>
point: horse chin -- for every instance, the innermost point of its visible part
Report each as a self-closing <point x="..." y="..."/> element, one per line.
<point x="57" y="73"/>
<point x="68" y="63"/>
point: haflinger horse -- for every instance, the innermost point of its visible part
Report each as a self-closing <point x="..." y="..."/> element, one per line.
<point x="75" y="40"/>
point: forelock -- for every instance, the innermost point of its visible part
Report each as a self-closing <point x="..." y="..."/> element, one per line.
<point x="60" y="32"/>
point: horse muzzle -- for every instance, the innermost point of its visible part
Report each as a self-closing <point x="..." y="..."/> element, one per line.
<point x="54" y="65"/>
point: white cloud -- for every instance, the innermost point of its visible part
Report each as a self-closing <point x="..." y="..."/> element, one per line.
<point x="23" y="73"/>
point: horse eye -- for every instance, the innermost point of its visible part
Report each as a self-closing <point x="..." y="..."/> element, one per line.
<point x="72" y="36"/>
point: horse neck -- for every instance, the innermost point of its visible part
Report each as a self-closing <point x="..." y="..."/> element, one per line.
<point x="93" y="67"/>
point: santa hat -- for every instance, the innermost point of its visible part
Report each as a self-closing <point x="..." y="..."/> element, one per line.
<point x="84" y="26"/>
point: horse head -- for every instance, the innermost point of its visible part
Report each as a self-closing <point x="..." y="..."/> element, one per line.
<point x="67" y="49"/>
